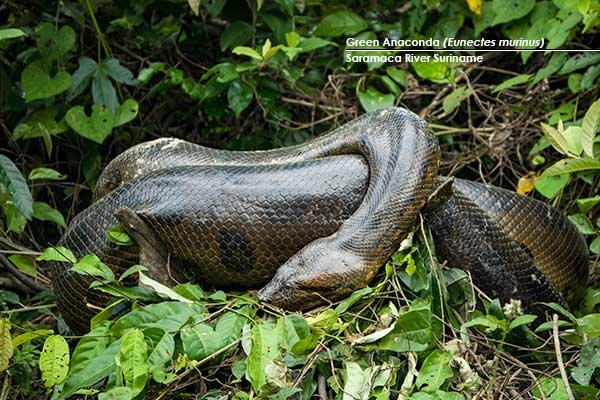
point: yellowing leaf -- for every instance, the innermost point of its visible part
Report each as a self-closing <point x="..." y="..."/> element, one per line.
<point x="475" y="6"/>
<point x="247" y="51"/>
<point x="526" y="183"/>
<point x="556" y="139"/>
<point x="571" y="165"/>
<point x="589" y="125"/>
<point x="54" y="360"/>
<point x="6" y="345"/>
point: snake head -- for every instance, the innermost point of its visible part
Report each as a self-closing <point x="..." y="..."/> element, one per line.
<point x="317" y="274"/>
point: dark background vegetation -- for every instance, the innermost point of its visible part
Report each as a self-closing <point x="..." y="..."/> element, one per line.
<point x="87" y="80"/>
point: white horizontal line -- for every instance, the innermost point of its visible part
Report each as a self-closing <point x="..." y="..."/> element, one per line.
<point x="474" y="50"/>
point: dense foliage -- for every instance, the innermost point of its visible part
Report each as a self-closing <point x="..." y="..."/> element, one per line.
<point x="82" y="81"/>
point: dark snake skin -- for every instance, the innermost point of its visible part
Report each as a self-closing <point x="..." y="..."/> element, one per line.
<point x="314" y="221"/>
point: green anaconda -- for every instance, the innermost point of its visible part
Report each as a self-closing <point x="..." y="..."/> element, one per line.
<point x="315" y="221"/>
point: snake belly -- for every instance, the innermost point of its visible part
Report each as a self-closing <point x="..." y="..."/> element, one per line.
<point x="317" y="220"/>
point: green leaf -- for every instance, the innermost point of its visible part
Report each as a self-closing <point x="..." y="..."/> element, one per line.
<point x="132" y="358"/>
<point x="6" y="345"/>
<point x="574" y="82"/>
<point x="40" y="123"/>
<point x="435" y="371"/>
<point x="587" y="204"/>
<point x="247" y="51"/>
<point x="589" y="360"/>
<point x="54" y="360"/>
<point x="11" y="33"/>
<point x="82" y="77"/>
<point x="313" y="43"/>
<point x="14" y="183"/>
<point x="46" y="174"/>
<point x="103" y="364"/>
<point x="236" y="34"/>
<point x="200" y="341"/>
<point x="89" y="347"/>
<point x="132" y="270"/>
<point x="239" y="96"/>
<point x="264" y="349"/>
<point x="508" y="10"/>
<point x="96" y="127"/>
<point x="521" y="320"/>
<point x="59" y="253"/>
<point x="117" y="72"/>
<point x="551" y="389"/>
<point x="580" y="61"/>
<point x="103" y="91"/>
<point x="92" y="266"/>
<point x="550" y="186"/>
<point x="556" y="61"/>
<point x="583" y="224"/>
<point x="15" y="222"/>
<point x="453" y="100"/>
<point x="23" y="263"/>
<point x="589" y="127"/>
<point x="399" y="75"/>
<point x="169" y="316"/>
<point x="38" y="84"/>
<point x="412" y="330"/>
<point x="29" y="336"/>
<point x="119" y="236"/>
<point x="590" y="76"/>
<point x="161" y="289"/>
<point x="44" y="212"/>
<point x="590" y="325"/>
<point x="53" y="44"/>
<point x="372" y="99"/>
<point x="437" y="72"/>
<point x="556" y="138"/>
<point x="357" y="383"/>
<point x="390" y="85"/>
<point x="352" y="299"/>
<point x="340" y="23"/>
<point x="572" y="165"/>
<point x="509" y="83"/>
<point x="126" y="112"/>
<point x="117" y="393"/>
<point x="162" y="353"/>
<point x="595" y="246"/>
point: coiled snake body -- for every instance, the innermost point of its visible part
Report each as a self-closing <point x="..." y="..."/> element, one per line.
<point x="315" y="221"/>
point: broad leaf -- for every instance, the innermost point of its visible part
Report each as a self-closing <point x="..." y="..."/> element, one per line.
<point x="16" y="187"/>
<point x="239" y="96"/>
<point x="45" y="174"/>
<point x="508" y="10"/>
<point x="372" y="99"/>
<point x="572" y="165"/>
<point x="54" y="360"/>
<point x="435" y="371"/>
<point x="40" y="123"/>
<point x="264" y="348"/>
<point x="96" y="127"/>
<point x="132" y="358"/>
<point x="38" y="84"/>
<point x="453" y="100"/>
<point x="509" y="83"/>
<point x="82" y="77"/>
<point x="58" y="253"/>
<point x="6" y="345"/>
<point x="11" y="33"/>
<point x="44" y="212"/>
<point x="589" y="128"/>
<point x="340" y="23"/>
<point x="126" y="112"/>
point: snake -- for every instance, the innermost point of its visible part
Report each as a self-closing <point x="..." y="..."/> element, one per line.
<point x="311" y="223"/>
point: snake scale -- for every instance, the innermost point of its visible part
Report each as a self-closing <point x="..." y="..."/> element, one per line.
<point x="315" y="221"/>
